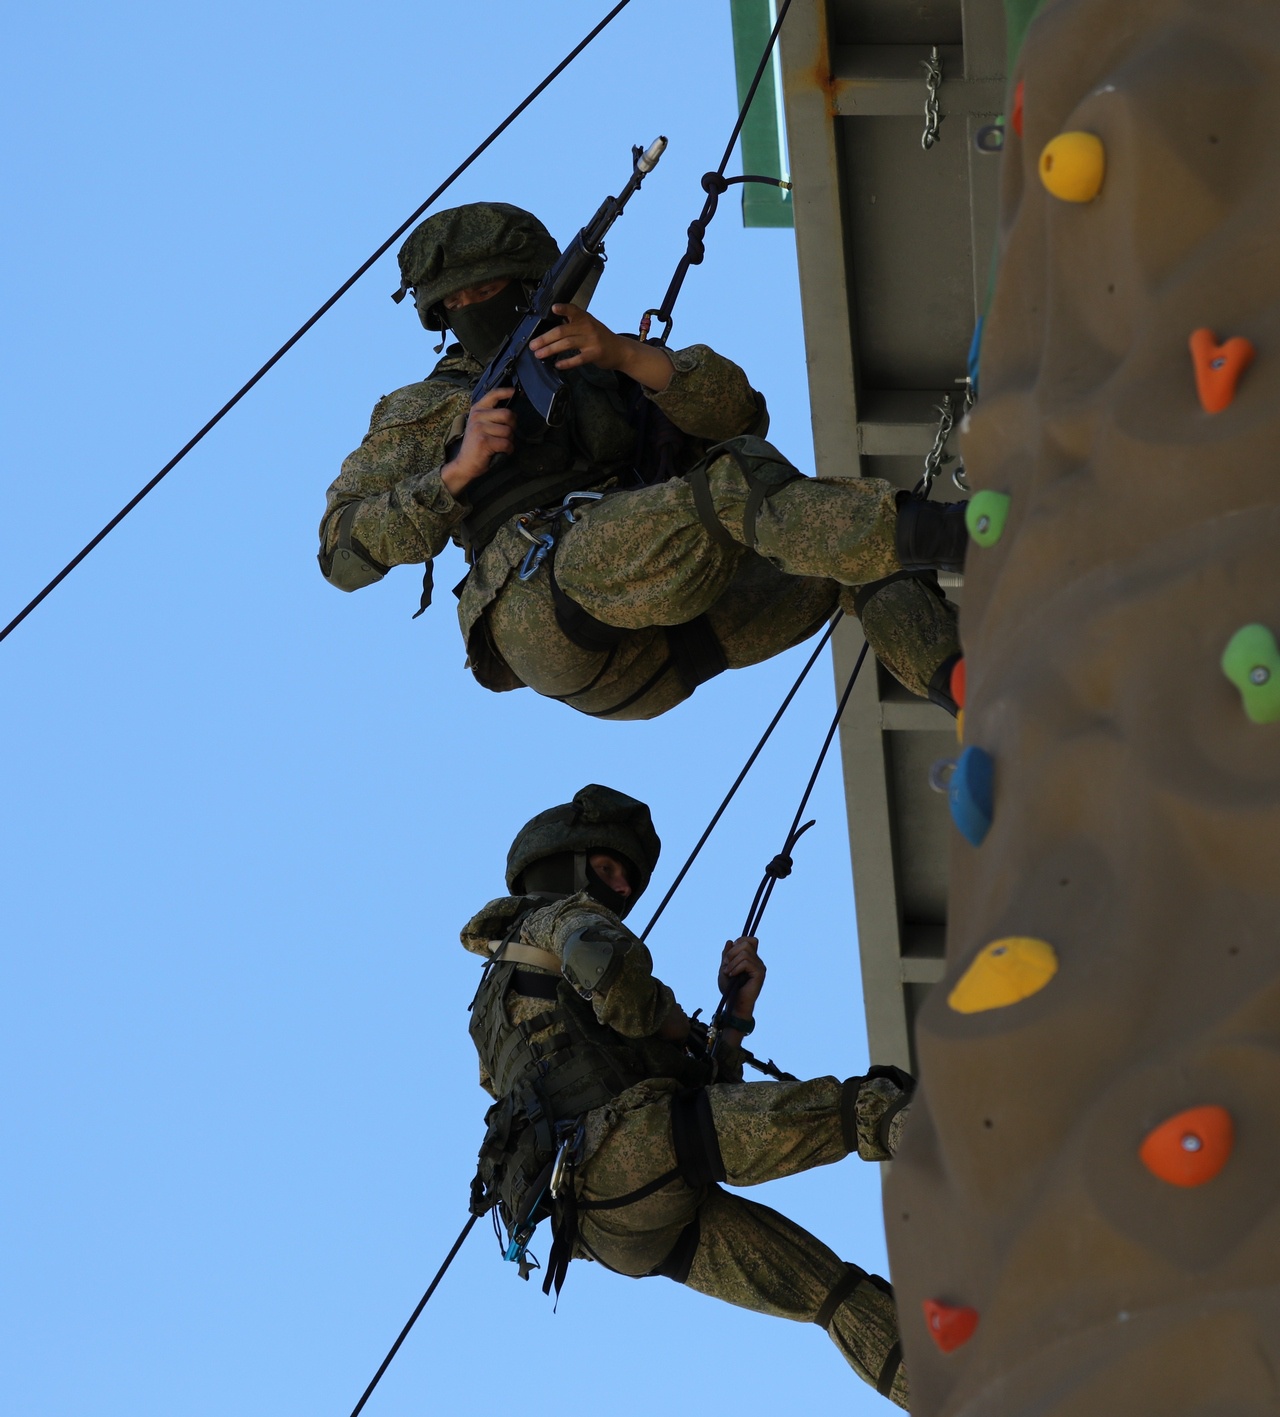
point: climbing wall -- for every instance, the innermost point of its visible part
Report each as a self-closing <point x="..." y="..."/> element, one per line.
<point x="1085" y="1218"/>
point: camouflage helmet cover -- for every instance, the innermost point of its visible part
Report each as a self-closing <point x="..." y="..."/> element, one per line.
<point x="468" y="245"/>
<point x="598" y="819"/>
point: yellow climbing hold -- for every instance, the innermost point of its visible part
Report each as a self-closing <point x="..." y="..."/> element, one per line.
<point x="1005" y="972"/>
<point x="960" y="725"/>
<point x="1072" y="166"/>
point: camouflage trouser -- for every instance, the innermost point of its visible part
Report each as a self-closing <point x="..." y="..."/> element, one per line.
<point x="783" y="559"/>
<point x="729" y="1247"/>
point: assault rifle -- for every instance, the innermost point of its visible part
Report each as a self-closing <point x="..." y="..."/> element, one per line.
<point x="583" y="260"/>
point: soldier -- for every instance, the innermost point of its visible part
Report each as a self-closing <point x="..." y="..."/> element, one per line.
<point x="614" y="1119"/>
<point x="653" y="539"/>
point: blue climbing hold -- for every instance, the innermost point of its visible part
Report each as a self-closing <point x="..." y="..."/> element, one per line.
<point x="971" y="795"/>
<point x="975" y="353"/>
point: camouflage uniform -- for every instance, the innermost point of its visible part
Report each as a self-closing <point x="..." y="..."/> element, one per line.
<point x="642" y="559"/>
<point x="689" y="1229"/>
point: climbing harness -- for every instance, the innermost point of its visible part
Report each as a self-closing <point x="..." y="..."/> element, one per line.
<point x="313" y="319"/>
<point x="714" y="184"/>
<point x="544" y="541"/>
<point x="932" y="67"/>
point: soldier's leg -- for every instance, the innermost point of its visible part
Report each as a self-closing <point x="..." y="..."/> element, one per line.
<point x="744" y="1133"/>
<point x="749" y="1255"/>
<point x="911" y="627"/>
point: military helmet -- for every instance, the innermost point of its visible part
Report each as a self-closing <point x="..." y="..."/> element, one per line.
<point x="598" y="819"/>
<point x="469" y="245"/>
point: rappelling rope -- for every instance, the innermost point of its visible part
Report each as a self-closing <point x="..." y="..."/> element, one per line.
<point x="778" y="869"/>
<point x="306" y="325"/>
<point x="715" y="184"/>
<point x="413" y="1317"/>
<point x="741" y="777"/>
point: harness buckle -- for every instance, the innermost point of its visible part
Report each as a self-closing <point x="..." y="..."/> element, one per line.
<point x="567" y="1157"/>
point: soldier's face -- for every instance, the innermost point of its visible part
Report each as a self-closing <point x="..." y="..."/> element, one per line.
<point x="475" y="294"/>
<point x="612" y="872"/>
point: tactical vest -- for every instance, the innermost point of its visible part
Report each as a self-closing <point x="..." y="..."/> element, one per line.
<point x="541" y="1084"/>
<point x="597" y="443"/>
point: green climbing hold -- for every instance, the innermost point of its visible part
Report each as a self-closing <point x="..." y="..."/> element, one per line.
<point x="1251" y="661"/>
<point x="986" y="515"/>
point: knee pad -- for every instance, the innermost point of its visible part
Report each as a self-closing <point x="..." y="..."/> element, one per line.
<point x="871" y="1139"/>
<point x="764" y="470"/>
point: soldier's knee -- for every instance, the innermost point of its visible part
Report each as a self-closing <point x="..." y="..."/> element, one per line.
<point x="873" y="1111"/>
<point x="757" y="468"/>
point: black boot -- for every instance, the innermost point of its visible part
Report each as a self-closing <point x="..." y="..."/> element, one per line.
<point x="931" y="535"/>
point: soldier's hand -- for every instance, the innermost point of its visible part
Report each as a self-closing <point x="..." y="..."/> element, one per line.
<point x="583" y="339"/>
<point x="741" y="966"/>
<point x="491" y="429"/>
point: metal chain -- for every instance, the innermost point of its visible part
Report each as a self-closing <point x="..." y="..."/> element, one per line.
<point x="936" y="457"/>
<point x="932" y="67"/>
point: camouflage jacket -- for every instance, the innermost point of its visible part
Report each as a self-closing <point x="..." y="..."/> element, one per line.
<point x="402" y="514"/>
<point x="636" y="1003"/>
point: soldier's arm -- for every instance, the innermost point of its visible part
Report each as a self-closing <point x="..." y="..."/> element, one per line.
<point x="701" y="392"/>
<point x="606" y="963"/>
<point x="710" y="397"/>
<point x="389" y="505"/>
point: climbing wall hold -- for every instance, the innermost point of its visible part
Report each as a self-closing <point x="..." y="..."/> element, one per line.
<point x="960" y="725"/>
<point x="1017" y="108"/>
<point x="1218" y="367"/>
<point x="1251" y="661"/>
<point x="956" y="686"/>
<point x="1191" y="1147"/>
<point x="971" y="795"/>
<point x="1072" y="166"/>
<point x="985" y="516"/>
<point x="950" y="1325"/>
<point x="1002" y="973"/>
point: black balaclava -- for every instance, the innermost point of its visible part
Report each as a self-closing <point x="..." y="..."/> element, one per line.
<point x="482" y="326"/>
<point x="568" y="872"/>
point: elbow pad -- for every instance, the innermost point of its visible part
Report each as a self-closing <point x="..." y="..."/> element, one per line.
<point x="592" y="958"/>
<point x="349" y="566"/>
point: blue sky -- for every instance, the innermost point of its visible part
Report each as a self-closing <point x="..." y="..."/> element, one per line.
<point x="248" y="814"/>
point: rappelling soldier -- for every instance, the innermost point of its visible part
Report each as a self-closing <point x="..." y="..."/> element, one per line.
<point x="648" y="542"/>
<point x="617" y="1120"/>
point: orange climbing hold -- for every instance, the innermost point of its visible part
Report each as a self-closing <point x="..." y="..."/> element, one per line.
<point x="1017" y="108"/>
<point x="950" y="1325"/>
<point x="957" y="682"/>
<point x="1218" y="367"/>
<point x="1191" y="1147"/>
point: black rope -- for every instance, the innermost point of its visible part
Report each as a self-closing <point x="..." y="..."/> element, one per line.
<point x="413" y="1317"/>
<point x="780" y="868"/>
<point x="741" y="777"/>
<point x="303" y="328"/>
<point x="715" y="184"/>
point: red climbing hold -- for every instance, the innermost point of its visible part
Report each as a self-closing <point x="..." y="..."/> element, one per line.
<point x="950" y="1325"/>
<point x="1017" y="109"/>
<point x="1218" y="367"/>
<point x="957" y="682"/>
<point x="1191" y="1147"/>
